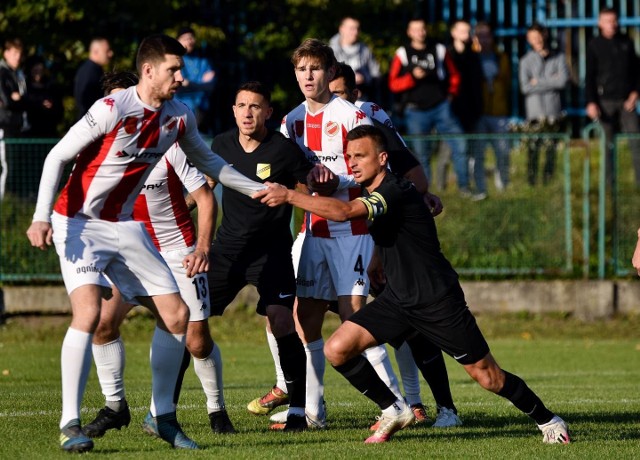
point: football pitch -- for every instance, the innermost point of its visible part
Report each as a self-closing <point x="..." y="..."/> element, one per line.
<point x="588" y="373"/>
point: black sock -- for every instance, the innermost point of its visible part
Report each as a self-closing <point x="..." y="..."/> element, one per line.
<point x="293" y="360"/>
<point x="430" y="361"/>
<point x="521" y="396"/>
<point x="186" y="359"/>
<point x="361" y="374"/>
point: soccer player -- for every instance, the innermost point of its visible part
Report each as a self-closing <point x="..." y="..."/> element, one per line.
<point x="431" y="361"/>
<point x="162" y="208"/>
<point x="115" y="147"/>
<point x="404" y="164"/>
<point x="422" y="295"/>
<point x="331" y="257"/>
<point x="253" y="243"/>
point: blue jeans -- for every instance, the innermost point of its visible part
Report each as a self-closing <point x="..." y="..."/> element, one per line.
<point x="443" y="121"/>
<point x="488" y="124"/>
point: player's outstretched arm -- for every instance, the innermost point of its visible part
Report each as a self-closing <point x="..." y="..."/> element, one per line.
<point x="329" y="208"/>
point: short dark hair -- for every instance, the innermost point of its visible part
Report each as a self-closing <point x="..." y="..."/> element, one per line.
<point x="608" y="10"/>
<point x="345" y="71"/>
<point x="256" y="87"/>
<point x="154" y="48"/>
<point x="11" y="43"/>
<point x="185" y="30"/>
<point x="114" y="80"/>
<point x="370" y="131"/>
<point x="314" y="48"/>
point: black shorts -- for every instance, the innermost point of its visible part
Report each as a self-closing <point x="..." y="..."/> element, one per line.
<point x="447" y="323"/>
<point x="271" y="272"/>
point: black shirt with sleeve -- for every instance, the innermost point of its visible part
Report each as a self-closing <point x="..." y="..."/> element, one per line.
<point x="247" y="222"/>
<point x="87" y="88"/>
<point x="613" y="69"/>
<point x="405" y="235"/>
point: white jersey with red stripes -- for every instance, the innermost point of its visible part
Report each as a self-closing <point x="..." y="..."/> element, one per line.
<point x="115" y="147"/>
<point x="322" y="136"/>
<point x="375" y="112"/>
<point x="161" y="205"/>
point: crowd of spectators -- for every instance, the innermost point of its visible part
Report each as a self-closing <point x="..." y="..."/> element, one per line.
<point x="463" y="86"/>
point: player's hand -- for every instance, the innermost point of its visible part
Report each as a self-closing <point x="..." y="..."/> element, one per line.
<point x="196" y="262"/>
<point x="322" y="181"/>
<point x="434" y="203"/>
<point x="274" y="195"/>
<point x="40" y="234"/>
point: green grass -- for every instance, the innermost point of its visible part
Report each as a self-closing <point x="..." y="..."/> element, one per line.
<point x="587" y="372"/>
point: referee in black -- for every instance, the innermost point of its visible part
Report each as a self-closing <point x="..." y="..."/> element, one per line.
<point x="422" y="293"/>
<point x="253" y="242"/>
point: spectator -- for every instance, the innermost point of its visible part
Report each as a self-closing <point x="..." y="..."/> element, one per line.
<point x="543" y="75"/>
<point x="496" y="84"/>
<point x="87" y="88"/>
<point x="199" y="77"/>
<point x="13" y="89"/>
<point x="44" y="108"/>
<point x="348" y="48"/>
<point x="612" y="86"/>
<point x="467" y="106"/>
<point x="424" y="75"/>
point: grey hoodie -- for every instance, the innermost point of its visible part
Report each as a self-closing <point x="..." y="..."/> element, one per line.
<point x="542" y="100"/>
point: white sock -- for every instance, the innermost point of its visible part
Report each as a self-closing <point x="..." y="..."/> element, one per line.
<point x="75" y="364"/>
<point x="166" y="357"/>
<point x="409" y="374"/>
<point x="209" y="371"/>
<point x="395" y="409"/>
<point x="273" y="346"/>
<point x="110" y="361"/>
<point x="379" y="359"/>
<point x="315" y="378"/>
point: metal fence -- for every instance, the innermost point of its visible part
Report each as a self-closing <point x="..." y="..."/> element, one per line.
<point x="572" y="225"/>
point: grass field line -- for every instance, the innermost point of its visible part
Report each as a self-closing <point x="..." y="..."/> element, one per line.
<point x="340" y="404"/>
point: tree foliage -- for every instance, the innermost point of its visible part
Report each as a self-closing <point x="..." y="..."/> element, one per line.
<point x="247" y="39"/>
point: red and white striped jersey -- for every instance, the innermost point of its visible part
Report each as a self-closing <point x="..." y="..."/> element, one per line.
<point x="115" y="147"/>
<point x="375" y="112"/>
<point x="161" y="205"/>
<point x="322" y="136"/>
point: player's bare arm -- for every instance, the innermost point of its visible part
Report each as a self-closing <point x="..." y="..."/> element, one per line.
<point x="198" y="260"/>
<point x="329" y="208"/>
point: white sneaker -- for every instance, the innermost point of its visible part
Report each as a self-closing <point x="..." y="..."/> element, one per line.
<point x="280" y="417"/>
<point x="446" y="418"/>
<point x="388" y="425"/>
<point x="313" y="422"/>
<point x="555" y="431"/>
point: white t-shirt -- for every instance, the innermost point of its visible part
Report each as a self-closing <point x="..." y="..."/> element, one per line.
<point x="115" y="147"/>
<point x="161" y="205"/>
<point x="322" y="136"/>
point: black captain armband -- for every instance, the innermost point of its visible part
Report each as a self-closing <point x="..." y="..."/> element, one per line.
<point x="376" y="205"/>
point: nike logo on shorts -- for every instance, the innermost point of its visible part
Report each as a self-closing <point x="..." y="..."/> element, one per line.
<point x="284" y="296"/>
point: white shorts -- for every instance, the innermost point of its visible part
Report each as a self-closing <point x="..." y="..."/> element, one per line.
<point x="90" y="248"/>
<point x="194" y="291"/>
<point x="331" y="267"/>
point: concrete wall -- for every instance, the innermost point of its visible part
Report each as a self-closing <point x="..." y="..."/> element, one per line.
<point x="587" y="300"/>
